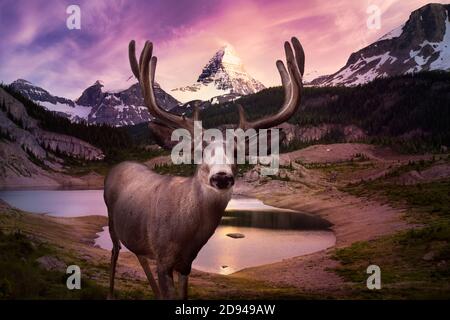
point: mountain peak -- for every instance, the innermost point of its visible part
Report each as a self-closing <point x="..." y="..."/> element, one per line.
<point x="98" y="83"/>
<point x="92" y="95"/>
<point x="224" y="60"/>
<point x="228" y="55"/>
<point x="21" y="81"/>
<point x="223" y="76"/>
<point x="422" y="43"/>
<point x="38" y="94"/>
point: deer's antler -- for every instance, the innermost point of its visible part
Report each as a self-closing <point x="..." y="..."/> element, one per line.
<point x="291" y="80"/>
<point x="145" y="73"/>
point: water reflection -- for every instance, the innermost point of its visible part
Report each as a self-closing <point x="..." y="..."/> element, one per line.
<point x="271" y="234"/>
<point x="59" y="203"/>
<point x="226" y="255"/>
<point x="274" y="220"/>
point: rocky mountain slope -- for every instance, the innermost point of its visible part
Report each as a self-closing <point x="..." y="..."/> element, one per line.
<point x="410" y="111"/>
<point x="222" y="79"/>
<point x="97" y="106"/>
<point x="420" y="44"/>
<point x="26" y="149"/>
<point x="62" y="106"/>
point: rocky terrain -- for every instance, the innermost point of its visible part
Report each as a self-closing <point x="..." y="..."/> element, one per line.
<point x="97" y="106"/>
<point x="29" y="153"/>
<point x="316" y="133"/>
<point x="422" y="43"/>
<point x="121" y="108"/>
<point x="372" y="227"/>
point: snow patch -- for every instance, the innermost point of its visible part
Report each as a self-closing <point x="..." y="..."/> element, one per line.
<point x="224" y="74"/>
<point x="73" y="112"/>
<point x="350" y="75"/>
<point x="397" y="32"/>
<point x="198" y="91"/>
<point x="443" y="61"/>
<point x="443" y="48"/>
<point x="230" y="56"/>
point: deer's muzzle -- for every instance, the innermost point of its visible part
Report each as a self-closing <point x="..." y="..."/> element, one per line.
<point x="222" y="180"/>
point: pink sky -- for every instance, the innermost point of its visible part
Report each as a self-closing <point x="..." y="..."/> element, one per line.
<point x="38" y="47"/>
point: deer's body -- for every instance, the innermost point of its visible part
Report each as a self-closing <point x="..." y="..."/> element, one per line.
<point x="169" y="219"/>
<point x="144" y="214"/>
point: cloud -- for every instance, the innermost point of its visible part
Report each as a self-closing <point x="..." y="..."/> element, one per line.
<point x="36" y="45"/>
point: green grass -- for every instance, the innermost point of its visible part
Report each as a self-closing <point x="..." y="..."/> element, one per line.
<point x="21" y="277"/>
<point x="236" y="288"/>
<point x="416" y="166"/>
<point x="188" y="170"/>
<point x="78" y="167"/>
<point x="340" y="170"/>
<point x="404" y="271"/>
<point x="340" y="167"/>
<point x="415" y="264"/>
<point x="432" y="197"/>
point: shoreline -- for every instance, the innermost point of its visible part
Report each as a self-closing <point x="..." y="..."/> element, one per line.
<point x="354" y="219"/>
<point x="254" y="204"/>
<point x="307" y="273"/>
<point x="50" y="188"/>
<point x="368" y="220"/>
<point x="330" y="209"/>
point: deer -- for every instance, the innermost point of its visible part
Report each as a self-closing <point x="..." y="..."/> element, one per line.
<point x="168" y="219"/>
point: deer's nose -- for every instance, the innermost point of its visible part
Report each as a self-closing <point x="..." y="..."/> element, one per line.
<point x="222" y="180"/>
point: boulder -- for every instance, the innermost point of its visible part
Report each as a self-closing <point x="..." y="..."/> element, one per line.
<point x="51" y="263"/>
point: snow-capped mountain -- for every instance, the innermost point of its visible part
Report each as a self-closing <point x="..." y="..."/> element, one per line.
<point x="222" y="79"/>
<point x="63" y="106"/>
<point x="97" y="106"/>
<point x="121" y="108"/>
<point x="420" y="44"/>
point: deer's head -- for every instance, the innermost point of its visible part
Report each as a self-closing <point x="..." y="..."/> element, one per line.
<point x="217" y="171"/>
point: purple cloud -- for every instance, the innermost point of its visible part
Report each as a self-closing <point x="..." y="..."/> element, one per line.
<point x="37" y="46"/>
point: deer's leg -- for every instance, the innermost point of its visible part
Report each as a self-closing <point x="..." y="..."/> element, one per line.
<point x="166" y="285"/>
<point x="114" y="256"/>
<point x="183" y="286"/>
<point x="148" y="272"/>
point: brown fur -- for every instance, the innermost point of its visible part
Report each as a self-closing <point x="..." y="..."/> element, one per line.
<point x="145" y="216"/>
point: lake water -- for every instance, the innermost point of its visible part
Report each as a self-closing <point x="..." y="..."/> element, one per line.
<point x="271" y="234"/>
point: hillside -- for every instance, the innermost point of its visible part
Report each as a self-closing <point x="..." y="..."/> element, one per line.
<point x="410" y="111"/>
<point x="422" y="43"/>
<point x="97" y="105"/>
<point x="103" y="136"/>
<point x="43" y="148"/>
